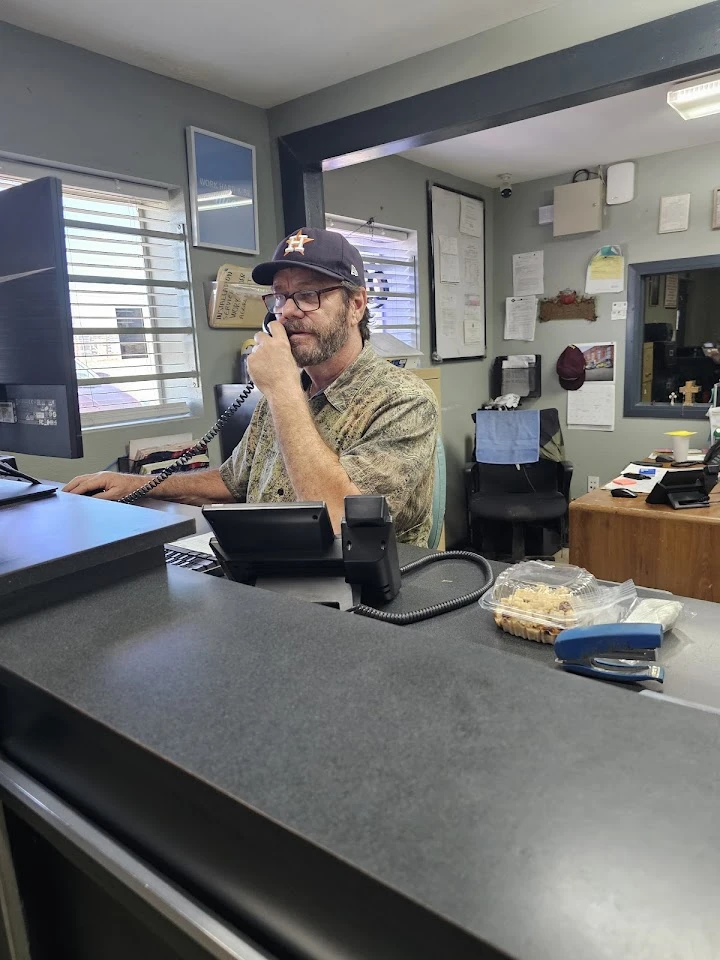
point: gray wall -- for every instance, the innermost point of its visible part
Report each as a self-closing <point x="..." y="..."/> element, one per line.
<point x="393" y="190"/>
<point x="634" y="227"/>
<point x="64" y="104"/>
<point x="564" y="24"/>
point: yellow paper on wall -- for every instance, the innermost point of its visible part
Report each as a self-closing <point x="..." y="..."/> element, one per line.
<point x="606" y="271"/>
<point x="238" y="300"/>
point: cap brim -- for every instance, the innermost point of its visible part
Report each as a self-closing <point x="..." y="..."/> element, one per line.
<point x="264" y="273"/>
<point x="572" y="384"/>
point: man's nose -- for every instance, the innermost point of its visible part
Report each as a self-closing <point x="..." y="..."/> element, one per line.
<point x="290" y="310"/>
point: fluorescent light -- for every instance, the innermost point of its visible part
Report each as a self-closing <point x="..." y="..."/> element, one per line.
<point x="220" y="205"/>
<point x="215" y="196"/>
<point x="697" y="98"/>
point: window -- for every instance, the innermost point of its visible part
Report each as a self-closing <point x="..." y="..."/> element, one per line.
<point x="135" y="347"/>
<point x="390" y="258"/>
<point x="673" y="343"/>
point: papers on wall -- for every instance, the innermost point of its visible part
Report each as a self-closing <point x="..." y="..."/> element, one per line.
<point x="606" y="271"/>
<point x="592" y="407"/>
<point x="529" y="274"/>
<point x="458" y="266"/>
<point x="654" y="475"/>
<point x="448" y="310"/>
<point x="672" y="285"/>
<point x="473" y="323"/>
<point x="473" y="331"/>
<point x="516" y="372"/>
<point x="619" y="310"/>
<point x="520" y="317"/>
<point x="449" y="268"/>
<point x="473" y="265"/>
<point x="449" y="245"/>
<point x="674" y="213"/>
<point x="237" y="301"/>
<point x="471" y="216"/>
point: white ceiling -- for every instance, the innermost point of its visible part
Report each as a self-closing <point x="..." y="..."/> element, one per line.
<point x="639" y="124"/>
<point x="264" y="51"/>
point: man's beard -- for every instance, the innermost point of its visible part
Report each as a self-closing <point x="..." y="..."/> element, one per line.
<point x="325" y="343"/>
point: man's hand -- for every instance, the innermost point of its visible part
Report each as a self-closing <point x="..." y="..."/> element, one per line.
<point x="272" y="365"/>
<point x="105" y="485"/>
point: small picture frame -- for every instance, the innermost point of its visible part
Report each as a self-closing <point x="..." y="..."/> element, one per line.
<point x="223" y="192"/>
<point x="716" y="209"/>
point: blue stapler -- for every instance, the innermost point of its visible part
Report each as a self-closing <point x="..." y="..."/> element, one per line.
<point x="616" y="651"/>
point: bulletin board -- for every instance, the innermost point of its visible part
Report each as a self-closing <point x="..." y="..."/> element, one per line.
<point x="456" y="227"/>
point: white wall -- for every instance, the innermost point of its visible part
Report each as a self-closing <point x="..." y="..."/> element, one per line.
<point x="633" y="226"/>
<point x="61" y="103"/>
<point x="394" y="191"/>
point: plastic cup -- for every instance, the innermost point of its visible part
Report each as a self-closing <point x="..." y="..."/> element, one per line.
<point x="680" y="448"/>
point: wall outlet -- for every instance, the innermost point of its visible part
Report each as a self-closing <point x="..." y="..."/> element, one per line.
<point x="593" y="483"/>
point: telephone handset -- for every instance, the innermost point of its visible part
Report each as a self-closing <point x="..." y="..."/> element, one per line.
<point x="202" y="444"/>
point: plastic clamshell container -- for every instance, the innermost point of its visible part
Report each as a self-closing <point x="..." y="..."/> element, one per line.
<point x="536" y="601"/>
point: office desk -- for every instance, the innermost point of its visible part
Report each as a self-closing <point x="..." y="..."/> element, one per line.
<point x="654" y="545"/>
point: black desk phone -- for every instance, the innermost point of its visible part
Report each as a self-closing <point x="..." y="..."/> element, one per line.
<point x="296" y="540"/>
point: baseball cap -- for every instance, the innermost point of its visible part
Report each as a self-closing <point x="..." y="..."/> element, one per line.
<point x="571" y="368"/>
<point x="324" y="251"/>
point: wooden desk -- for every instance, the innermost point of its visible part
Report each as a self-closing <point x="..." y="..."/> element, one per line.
<point x="656" y="546"/>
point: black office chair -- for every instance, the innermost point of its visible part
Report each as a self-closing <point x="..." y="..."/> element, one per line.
<point x="232" y="433"/>
<point x="520" y="513"/>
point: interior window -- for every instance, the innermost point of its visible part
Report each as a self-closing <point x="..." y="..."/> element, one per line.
<point x="681" y="334"/>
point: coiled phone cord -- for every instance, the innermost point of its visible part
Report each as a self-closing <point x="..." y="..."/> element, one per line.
<point x="435" y="609"/>
<point x="187" y="455"/>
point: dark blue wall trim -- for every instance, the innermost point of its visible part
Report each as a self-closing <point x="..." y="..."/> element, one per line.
<point x="633" y="407"/>
<point x="678" y="46"/>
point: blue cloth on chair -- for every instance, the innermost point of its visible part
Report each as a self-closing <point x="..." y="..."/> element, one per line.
<point x="507" y="436"/>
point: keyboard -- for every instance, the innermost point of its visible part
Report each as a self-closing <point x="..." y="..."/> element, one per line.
<point x="181" y="554"/>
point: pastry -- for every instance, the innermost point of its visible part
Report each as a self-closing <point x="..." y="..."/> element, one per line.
<point x="537" y="613"/>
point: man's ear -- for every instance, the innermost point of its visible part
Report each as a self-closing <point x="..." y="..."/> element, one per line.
<point x="359" y="299"/>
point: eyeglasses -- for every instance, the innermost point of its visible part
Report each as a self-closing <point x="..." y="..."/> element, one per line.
<point x="304" y="300"/>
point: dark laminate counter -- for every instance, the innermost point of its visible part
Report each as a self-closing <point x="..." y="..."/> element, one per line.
<point x="298" y="767"/>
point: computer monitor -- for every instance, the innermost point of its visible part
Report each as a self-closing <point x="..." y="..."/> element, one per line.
<point x="39" y="410"/>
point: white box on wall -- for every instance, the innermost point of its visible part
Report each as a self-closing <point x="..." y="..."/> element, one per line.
<point x="621" y="182"/>
<point x="578" y="208"/>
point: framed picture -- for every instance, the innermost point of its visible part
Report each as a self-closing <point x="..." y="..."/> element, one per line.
<point x="716" y="209"/>
<point x="223" y="192"/>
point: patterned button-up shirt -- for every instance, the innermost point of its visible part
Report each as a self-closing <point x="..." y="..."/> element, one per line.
<point x="381" y="421"/>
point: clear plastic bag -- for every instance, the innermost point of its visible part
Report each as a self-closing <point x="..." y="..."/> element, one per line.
<point x="537" y="601"/>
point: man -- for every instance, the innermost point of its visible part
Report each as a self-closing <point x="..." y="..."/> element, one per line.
<point x="351" y="424"/>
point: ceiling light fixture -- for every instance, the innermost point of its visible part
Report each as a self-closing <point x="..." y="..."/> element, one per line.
<point x="696" y="98"/>
<point x="223" y="205"/>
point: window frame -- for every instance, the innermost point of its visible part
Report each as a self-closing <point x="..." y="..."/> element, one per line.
<point x="633" y="405"/>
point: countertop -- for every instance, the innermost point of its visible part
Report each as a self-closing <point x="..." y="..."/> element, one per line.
<point x="549" y="815"/>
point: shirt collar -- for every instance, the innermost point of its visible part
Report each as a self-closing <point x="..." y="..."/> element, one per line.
<point x="343" y="390"/>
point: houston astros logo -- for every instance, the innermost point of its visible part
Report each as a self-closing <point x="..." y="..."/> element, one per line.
<point x="296" y="243"/>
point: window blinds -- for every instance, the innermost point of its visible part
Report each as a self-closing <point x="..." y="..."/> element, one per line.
<point x="128" y="271"/>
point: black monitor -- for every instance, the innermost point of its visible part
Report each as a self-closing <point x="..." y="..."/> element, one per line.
<point x="39" y="410"/>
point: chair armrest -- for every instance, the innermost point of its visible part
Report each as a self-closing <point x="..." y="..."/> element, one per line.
<point x="566" y="472"/>
<point x="470" y="477"/>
